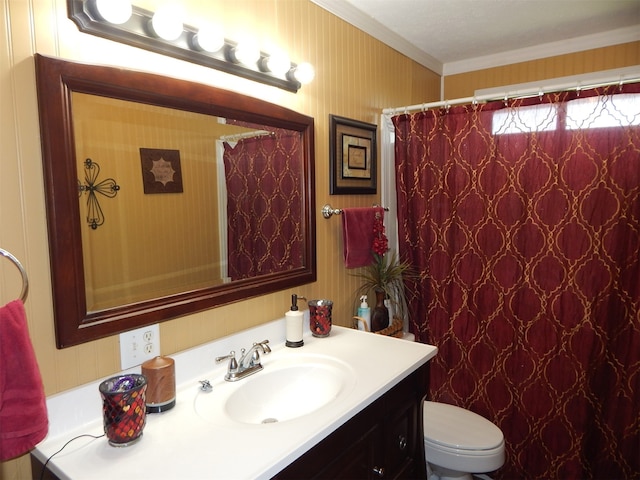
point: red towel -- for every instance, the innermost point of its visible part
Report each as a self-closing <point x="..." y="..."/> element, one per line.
<point x="23" y="408"/>
<point x="357" y="235"/>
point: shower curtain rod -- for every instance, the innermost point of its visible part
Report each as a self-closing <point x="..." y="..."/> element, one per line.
<point x="234" y="137"/>
<point x="509" y="95"/>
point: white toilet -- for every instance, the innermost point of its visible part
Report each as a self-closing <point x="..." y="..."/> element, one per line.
<point x="458" y="443"/>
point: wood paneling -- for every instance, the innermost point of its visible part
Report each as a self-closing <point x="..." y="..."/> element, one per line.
<point x="464" y="84"/>
<point x="356" y="77"/>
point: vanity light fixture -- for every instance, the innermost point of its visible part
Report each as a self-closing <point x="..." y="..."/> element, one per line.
<point x="113" y="11"/>
<point x="245" y="52"/>
<point x="304" y="73"/>
<point x="277" y="62"/>
<point x="166" y="23"/>
<point x="163" y="32"/>
<point x="209" y="39"/>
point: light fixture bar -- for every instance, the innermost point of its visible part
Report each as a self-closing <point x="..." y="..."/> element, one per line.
<point x="138" y="33"/>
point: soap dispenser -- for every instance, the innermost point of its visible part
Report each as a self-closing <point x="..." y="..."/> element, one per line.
<point x="364" y="311"/>
<point x="294" y="320"/>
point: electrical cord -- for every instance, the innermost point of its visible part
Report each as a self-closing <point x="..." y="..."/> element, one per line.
<point x="44" y="467"/>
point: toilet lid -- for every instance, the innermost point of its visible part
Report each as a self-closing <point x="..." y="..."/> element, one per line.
<point x="456" y="427"/>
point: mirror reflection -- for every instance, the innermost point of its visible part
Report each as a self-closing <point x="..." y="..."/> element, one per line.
<point x="202" y="200"/>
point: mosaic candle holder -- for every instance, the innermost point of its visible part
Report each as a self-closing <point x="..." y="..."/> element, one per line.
<point x="124" y="408"/>
<point x="320" y="317"/>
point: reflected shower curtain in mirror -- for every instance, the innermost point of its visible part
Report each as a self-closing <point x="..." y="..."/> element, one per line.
<point x="523" y="219"/>
<point x="264" y="204"/>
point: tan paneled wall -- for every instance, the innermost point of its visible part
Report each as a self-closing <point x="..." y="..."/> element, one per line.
<point x="464" y="84"/>
<point x="356" y="77"/>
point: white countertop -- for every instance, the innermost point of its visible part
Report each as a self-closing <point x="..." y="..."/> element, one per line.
<point x="181" y="444"/>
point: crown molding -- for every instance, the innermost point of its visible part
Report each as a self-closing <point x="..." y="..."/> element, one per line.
<point x="347" y="12"/>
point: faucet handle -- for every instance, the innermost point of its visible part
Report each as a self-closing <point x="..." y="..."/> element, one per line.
<point x="233" y="363"/>
<point x="206" y="385"/>
<point x="255" y="356"/>
<point x="265" y="346"/>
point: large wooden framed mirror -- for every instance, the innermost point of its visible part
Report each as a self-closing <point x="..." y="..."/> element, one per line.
<point x="214" y="200"/>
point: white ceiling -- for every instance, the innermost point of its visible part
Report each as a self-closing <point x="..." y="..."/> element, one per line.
<point x="455" y="36"/>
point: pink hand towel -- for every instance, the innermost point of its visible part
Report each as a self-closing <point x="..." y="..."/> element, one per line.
<point x="357" y="235"/>
<point x="23" y="408"/>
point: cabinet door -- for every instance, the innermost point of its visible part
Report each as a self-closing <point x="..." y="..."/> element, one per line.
<point x="347" y="454"/>
<point x="358" y="461"/>
<point x="400" y="441"/>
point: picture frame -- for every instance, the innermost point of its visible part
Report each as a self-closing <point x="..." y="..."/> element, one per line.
<point x="161" y="170"/>
<point x="353" y="158"/>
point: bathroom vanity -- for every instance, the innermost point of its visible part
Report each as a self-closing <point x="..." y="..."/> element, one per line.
<point x="343" y="406"/>
<point x="382" y="441"/>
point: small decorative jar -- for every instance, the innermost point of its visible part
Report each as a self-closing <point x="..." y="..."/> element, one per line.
<point x="320" y="317"/>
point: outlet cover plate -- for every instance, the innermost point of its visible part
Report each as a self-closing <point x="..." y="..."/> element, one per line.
<point x="138" y="346"/>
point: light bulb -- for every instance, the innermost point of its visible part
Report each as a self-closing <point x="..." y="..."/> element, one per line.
<point x="247" y="52"/>
<point x="279" y="63"/>
<point x="209" y="38"/>
<point x="304" y="73"/>
<point x="167" y="22"/>
<point x="114" y="11"/>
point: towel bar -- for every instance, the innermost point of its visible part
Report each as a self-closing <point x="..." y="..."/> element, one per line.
<point x="25" y="280"/>
<point x="328" y="211"/>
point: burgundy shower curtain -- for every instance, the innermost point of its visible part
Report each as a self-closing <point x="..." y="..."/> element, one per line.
<point x="264" y="204"/>
<point x="523" y="221"/>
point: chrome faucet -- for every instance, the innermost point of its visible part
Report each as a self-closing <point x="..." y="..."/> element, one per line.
<point x="252" y="357"/>
<point x="249" y="361"/>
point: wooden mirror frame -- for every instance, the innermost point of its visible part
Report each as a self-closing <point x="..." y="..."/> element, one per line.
<point x="56" y="80"/>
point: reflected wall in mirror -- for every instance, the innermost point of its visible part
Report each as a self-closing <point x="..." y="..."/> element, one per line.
<point x="240" y="224"/>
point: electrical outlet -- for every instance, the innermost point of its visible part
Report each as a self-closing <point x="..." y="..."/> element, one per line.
<point x="138" y="346"/>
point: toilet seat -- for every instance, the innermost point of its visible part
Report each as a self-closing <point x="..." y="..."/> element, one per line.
<point x="460" y="440"/>
<point x="455" y="428"/>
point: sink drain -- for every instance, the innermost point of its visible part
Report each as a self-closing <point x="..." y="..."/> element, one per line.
<point x="270" y="420"/>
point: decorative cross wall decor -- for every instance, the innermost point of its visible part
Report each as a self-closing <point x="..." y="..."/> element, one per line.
<point x="108" y="187"/>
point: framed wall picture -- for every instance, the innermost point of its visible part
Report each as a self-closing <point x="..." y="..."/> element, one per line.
<point x="352" y="156"/>
<point x="161" y="170"/>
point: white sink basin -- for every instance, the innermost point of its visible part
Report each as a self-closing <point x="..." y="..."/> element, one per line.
<point x="284" y="390"/>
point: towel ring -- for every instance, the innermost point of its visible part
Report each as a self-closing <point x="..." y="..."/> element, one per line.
<point x="25" y="280"/>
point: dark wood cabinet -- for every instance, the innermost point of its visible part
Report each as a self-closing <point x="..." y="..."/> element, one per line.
<point x="385" y="440"/>
<point x="39" y="472"/>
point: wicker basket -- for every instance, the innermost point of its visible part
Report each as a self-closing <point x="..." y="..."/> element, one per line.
<point x="393" y="330"/>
